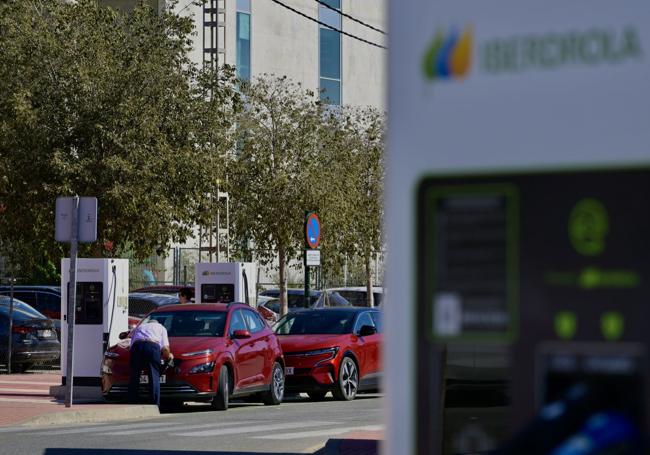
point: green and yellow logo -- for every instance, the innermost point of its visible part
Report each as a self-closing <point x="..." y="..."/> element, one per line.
<point x="449" y="56"/>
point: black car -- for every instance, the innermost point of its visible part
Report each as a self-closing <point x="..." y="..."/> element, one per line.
<point x="33" y="336"/>
<point x="296" y="297"/>
<point x="44" y="299"/>
<point x="142" y="303"/>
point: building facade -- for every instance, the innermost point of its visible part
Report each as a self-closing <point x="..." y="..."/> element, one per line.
<point x="281" y="37"/>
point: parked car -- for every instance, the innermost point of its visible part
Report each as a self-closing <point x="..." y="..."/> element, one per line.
<point x="358" y="295"/>
<point x="220" y="351"/>
<point x="334" y="350"/>
<point x="269" y="308"/>
<point x="44" y="299"/>
<point x="169" y="289"/>
<point x="142" y="303"/>
<point x="33" y="336"/>
<point x="296" y="297"/>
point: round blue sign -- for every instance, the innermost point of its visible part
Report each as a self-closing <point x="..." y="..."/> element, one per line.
<point x="312" y="231"/>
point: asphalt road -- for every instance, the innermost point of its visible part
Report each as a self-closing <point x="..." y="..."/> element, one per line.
<point x="296" y="426"/>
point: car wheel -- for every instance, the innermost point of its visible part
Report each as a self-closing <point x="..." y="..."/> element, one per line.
<point x="348" y="383"/>
<point x="276" y="391"/>
<point x="316" y="396"/>
<point x="220" y="400"/>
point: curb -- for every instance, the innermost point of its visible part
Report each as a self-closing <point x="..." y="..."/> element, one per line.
<point x="94" y="415"/>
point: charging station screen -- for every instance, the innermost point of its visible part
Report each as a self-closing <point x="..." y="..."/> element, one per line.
<point x="530" y="285"/>
<point x="217" y="293"/>
<point x="89" y="306"/>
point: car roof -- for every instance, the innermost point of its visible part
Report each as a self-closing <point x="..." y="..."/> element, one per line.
<point x="29" y="287"/>
<point x="163" y="287"/>
<point x="160" y="298"/>
<point x="293" y="291"/>
<point x="351" y="309"/>
<point x="201" y="307"/>
<point x="377" y="289"/>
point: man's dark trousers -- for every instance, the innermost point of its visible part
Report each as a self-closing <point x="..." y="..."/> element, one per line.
<point x="145" y="356"/>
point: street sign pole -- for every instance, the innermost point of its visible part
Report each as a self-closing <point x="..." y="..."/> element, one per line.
<point x="11" y="323"/>
<point x="307" y="278"/>
<point x="72" y="292"/>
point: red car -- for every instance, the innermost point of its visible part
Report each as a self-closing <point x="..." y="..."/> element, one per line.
<point x="220" y="351"/>
<point x="334" y="350"/>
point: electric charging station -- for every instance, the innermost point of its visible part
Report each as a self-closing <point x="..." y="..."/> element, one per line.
<point x="517" y="194"/>
<point x="225" y="282"/>
<point x="101" y="314"/>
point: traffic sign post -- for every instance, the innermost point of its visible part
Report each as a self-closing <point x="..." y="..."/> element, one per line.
<point x="311" y="254"/>
<point x="76" y="221"/>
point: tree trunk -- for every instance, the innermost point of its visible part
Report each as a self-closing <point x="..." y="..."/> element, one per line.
<point x="367" y="260"/>
<point x="284" y="304"/>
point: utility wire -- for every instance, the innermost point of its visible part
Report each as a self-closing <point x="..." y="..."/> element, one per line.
<point x="350" y="17"/>
<point x="328" y="26"/>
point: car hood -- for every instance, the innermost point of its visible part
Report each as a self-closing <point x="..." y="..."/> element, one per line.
<point x="181" y="345"/>
<point x="301" y="343"/>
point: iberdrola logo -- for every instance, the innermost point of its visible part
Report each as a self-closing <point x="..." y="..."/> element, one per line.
<point x="449" y="56"/>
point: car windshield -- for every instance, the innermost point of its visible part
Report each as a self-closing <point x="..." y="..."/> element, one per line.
<point x="316" y="322"/>
<point x="191" y="323"/>
<point x="21" y="309"/>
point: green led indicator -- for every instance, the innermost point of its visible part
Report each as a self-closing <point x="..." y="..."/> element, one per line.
<point x="566" y="324"/>
<point x="612" y="325"/>
<point x="588" y="227"/>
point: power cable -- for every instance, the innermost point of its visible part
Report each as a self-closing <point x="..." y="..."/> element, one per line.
<point x="328" y="26"/>
<point x="350" y="17"/>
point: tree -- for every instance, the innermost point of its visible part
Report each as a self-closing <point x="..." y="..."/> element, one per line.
<point x="272" y="174"/>
<point x="99" y="103"/>
<point x="354" y="152"/>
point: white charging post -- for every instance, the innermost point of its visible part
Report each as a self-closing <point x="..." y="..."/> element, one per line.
<point x="226" y="282"/>
<point x="101" y="313"/>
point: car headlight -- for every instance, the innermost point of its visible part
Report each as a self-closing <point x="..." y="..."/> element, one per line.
<point x="111" y="355"/>
<point x="331" y="351"/>
<point x="203" y="368"/>
<point x="197" y="353"/>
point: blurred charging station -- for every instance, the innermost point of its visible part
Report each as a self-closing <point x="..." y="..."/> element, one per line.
<point x="101" y="313"/>
<point x="225" y="282"/>
<point x="518" y="189"/>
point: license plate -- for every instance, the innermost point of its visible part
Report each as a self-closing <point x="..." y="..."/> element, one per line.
<point x="44" y="333"/>
<point x="288" y="370"/>
<point x="144" y="379"/>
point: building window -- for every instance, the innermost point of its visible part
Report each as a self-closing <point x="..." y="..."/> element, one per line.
<point x="330" y="53"/>
<point x="244" y="39"/>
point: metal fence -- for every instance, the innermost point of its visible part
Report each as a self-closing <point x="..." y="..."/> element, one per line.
<point x="178" y="269"/>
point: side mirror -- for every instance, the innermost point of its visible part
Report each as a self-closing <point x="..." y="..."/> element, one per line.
<point x="367" y="330"/>
<point x="123" y="335"/>
<point x="240" y="334"/>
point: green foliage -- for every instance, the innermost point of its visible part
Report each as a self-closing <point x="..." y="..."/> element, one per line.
<point x="270" y="173"/>
<point x="352" y="207"/>
<point x="99" y="103"/>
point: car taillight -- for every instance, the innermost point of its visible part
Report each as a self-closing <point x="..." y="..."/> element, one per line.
<point x="21" y="329"/>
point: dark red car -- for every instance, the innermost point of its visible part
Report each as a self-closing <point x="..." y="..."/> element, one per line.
<point x="334" y="350"/>
<point x="220" y="351"/>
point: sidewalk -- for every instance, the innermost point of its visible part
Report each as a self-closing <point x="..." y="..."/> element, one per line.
<point x="354" y="443"/>
<point x="25" y="400"/>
